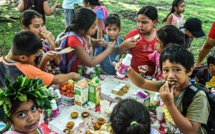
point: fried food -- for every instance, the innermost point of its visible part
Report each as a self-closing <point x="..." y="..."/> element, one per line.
<point x="74" y="115"/>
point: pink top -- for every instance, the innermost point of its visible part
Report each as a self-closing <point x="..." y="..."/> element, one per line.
<point x="178" y="21"/>
<point x="154" y="57"/>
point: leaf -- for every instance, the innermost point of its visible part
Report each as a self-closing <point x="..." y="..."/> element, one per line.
<point x="1" y="93"/>
<point x="22" y="97"/>
<point x="1" y="102"/>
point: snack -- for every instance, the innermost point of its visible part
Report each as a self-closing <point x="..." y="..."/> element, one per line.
<point x="74" y="115"/>
<point x="42" y="33"/>
<point x="70" y="125"/>
<point x="85" y="114"/>
<point x="118" y="98"/>
<point x="66" y="130"/>
<point x="125" y="89"/>
<point x="101" y="121"/>
<point x="120" y="93"/>
<point x="137" y="37"/>
<point x="88" y="132"/>
<point x="97" y="126"/>
<point x="171" y="83"/>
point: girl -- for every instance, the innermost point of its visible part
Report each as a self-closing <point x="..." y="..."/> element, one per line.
<point x="113" y="27"/>
<point x="47" y="61"/>
<point x="166" y="36"/>
<point x="146" y="21"/>
<point x="94" y="4"/>
<point x="175" y="17"/>
<point x="84" y="23"/>
<point x="23" y="106"/>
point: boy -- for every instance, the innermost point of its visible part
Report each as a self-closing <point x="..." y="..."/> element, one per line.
<point x="20" y="60"/>
<point x="203" y="77"/>
<point x="192" y="29"/>
<point x="177" y="70"/>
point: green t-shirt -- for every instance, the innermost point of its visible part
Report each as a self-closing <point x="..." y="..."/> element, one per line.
<point x="198" y="111"/>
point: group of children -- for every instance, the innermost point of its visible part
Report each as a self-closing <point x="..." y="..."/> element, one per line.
<point x="162" y="50"/>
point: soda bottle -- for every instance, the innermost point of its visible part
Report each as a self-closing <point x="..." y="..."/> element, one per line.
<point x="126" y="62"/>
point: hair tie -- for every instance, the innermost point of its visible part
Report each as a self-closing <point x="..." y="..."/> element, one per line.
<point x="133" y="123"/>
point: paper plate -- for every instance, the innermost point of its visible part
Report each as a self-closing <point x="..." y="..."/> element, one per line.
<point x="63" y="51"/>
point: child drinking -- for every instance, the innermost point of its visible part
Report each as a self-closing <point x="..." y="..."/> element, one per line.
<point x="175" y="17"/>
<point x="166" y="36"/>
<point x="146" y="21"/>
<point x="113" y="27"/>
<point x="46" y="61"/>
<point x="21" y="105"/>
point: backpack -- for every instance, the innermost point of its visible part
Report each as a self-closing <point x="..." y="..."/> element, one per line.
<point x="105" y="12"/>
<point x="188" y="97"/>
<point x="203" y="76"/>
<point x="65" y="68"/>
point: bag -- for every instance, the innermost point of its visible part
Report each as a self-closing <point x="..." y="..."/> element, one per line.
<point x="188" y="97"/>
<point x="203" y="76"/>
<point x="64" y="67"/>
<point x="105" y="12"/>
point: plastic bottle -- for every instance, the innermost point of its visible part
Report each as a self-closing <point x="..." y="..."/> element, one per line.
<point x="126" y="62"/>
<point x="156" y="99"/>
<point x="54" y="108"/>
<point x="57" y="91"/>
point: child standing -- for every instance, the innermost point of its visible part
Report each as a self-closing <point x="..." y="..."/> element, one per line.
<point x="175" y="17"/>
<point x="146" y="21"/>
<point x="46" y="61"/>
<point x="21" y="106"/>
<point x="84" y="23"/>
<point x="177" y="65"/>
<point x="113" y="27"/>
<point x="166" y="36"/>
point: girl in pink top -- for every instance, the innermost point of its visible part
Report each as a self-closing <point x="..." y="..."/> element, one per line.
<point x="175" y="17"/>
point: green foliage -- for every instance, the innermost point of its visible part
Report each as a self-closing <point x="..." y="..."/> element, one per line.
<point x="20" y="89"/>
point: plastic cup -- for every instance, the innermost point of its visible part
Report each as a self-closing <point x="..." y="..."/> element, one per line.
<point x="160" y="113"/>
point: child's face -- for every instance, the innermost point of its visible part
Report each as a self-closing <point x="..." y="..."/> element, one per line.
<point x="177" y="73"/>
<point x="112" y="32"/>
<point x="37" y="26"/>
<point x="93" y="28"/>
<point x="30" y="59"/>
<point x="180" y="8"/>
<point x="145" y="24"/>
<point x="26" y="118"/>
<point x="159" y="45"/>
<point x="188" y="33"/>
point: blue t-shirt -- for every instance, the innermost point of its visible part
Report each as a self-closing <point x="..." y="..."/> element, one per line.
<point x="107" y="64"/>
<point x="100" y="14"/>
<point x="203" y="78"/>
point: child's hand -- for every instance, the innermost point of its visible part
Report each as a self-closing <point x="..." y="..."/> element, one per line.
<point x="166" y="94"/>
<point x="75" y="76"/>
<point x="143" y="68"/>
<point x="46" y="35"/>
<point x="131" y="42"/>
<point x="111" y="46"/>
<point x="49" y="56"/>
<point x="101" y="42"/>
<point x="57" y="3"/>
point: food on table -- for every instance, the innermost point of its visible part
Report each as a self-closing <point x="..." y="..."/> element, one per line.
<point x="101" y="121"/>
<point x="74" y="115"/>
<point x="66" y="130"/>
<point x="67" y="90"/>
<point x="97" y="126"/>
<point x="106" y="127"/>
<point x="118" y="98"/>
<point x="125" y="89"/>
<point x="70" y="125"/>
<point x="120" y="89"/>
<point x="120" y="93"/>
<point x="88" y="132"/>
<point x="85" y="114"/>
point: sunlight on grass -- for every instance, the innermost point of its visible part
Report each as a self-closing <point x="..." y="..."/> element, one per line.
<point x="127" y="6"/>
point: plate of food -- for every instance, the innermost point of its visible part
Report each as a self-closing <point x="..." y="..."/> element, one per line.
<point x="63" y="51"/>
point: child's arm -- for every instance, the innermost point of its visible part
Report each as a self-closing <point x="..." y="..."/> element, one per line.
<point x="141" y="82"/>
<point x="46" y="58"/>
<point x="126" y="45"/>
<point x="99" y="31"/>
<point x="60" y="78"/>
<point x="91" y="62"/>
<point x="98" y="42"/>
<point x="49" y="11"/>
<point x="186" y="126"/>
<point x="169" y="20"/>
<point x="21" y="6"/>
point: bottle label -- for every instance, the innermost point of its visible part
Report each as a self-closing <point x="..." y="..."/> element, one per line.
<point x="123" y="69"/>
<point x="54" y="113"/>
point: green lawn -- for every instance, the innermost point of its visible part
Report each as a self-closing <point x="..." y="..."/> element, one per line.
<point x="127" y="12"/>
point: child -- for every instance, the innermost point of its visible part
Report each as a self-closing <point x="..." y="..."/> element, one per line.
<point x="113" y="27"/>
<point x="68" y="7"/>
<point x="166" y="36"/>
<point x="47" y="61"/>
<point x="20" y="60"/>
<point x="94" y="4"/>
<point x="175" y="17"/>
<point x="177" y="65"/>
<point x="131" y="117"/>
<point x="146" y="21"/>
<point x="203" y="77"/>
<point x="84" y="23"/>
<point x="21" y="107"/>
<point x="192" y="29"/>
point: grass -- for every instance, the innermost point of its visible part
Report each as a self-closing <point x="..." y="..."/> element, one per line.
<point x="127" y="12"/>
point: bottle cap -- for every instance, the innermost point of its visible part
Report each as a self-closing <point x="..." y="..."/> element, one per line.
<point x="97" y="80"/>
<point x="53" y="104"/>
<point x="128" y="57"/>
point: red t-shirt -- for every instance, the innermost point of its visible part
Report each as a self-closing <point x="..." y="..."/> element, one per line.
<point x="212" y="31"/>
<point x="141" y="51"/>
<point x="74" y="42"/>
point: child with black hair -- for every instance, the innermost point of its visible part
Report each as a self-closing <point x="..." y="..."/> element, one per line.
<point x="131" y="117"/>
<point x="113" y="27"/>
<point x="203" y="76"/>
<point x="175" y="17"/>
<point x="45" y="60"/>
<point x="20" y="60"/>
<point x="165" y="37"/>
<point x="20" y="105"/>
<point x="177" y="65"/>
